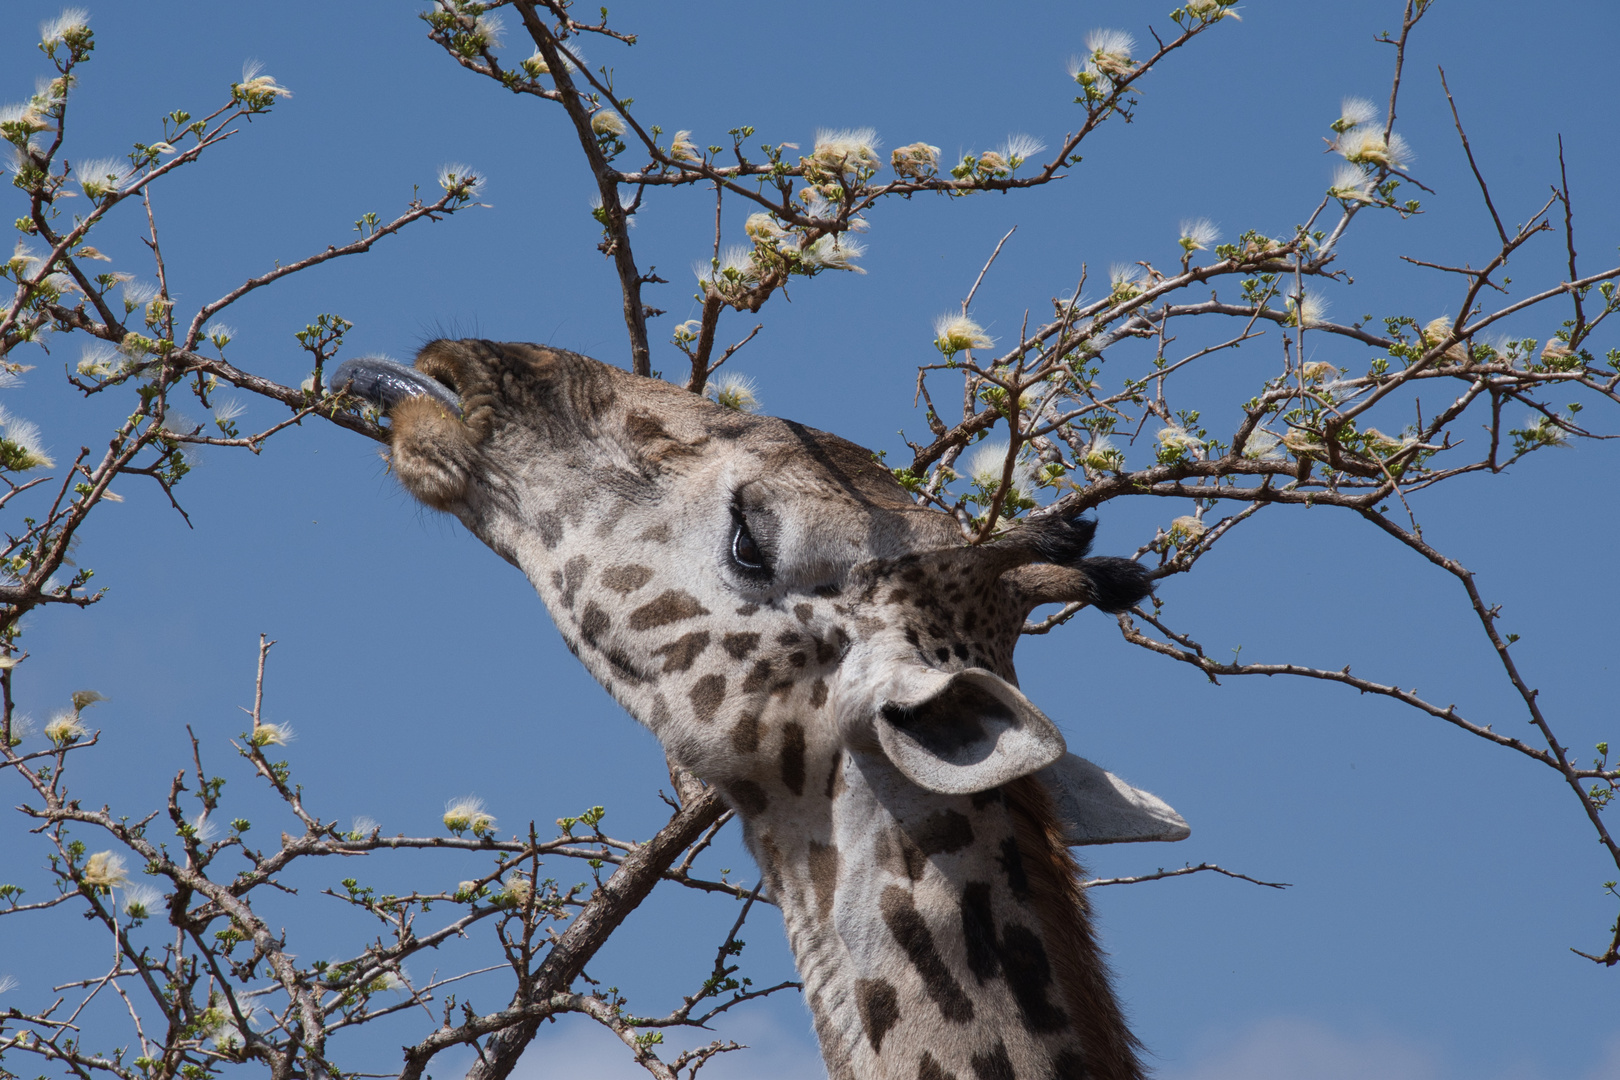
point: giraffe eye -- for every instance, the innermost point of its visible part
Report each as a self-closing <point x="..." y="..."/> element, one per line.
<point x="745" y="550"/>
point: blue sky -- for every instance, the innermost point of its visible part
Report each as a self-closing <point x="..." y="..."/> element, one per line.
<point x="1438" y="882"/>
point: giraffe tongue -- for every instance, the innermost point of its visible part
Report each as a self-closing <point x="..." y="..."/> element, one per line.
<point x="387" y="383"/>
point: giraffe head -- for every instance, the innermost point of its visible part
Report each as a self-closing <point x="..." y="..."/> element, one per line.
<point x="796" y="630"/>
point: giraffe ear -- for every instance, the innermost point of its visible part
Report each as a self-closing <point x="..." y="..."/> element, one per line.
<point x="964" y="732"/>
<point x="1097" y="807"/>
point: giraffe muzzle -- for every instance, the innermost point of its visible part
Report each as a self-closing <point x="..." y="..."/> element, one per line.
<point x="386" y="383"/>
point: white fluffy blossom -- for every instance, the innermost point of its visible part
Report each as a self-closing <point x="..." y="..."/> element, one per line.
<point x="607" y="122"/>
<point x="1020" y="148"/>
<point x="834" y="252"/>
<point x="733" y="391"/>
<point x="1365" y="147"/>
<point x="1353" y="112"/>
<point x="105" y="870"/>
<point x="1199" y="234"/>
<point x="989" y="460"/>
<point x="468" y="813"/>
<point x="100" y="176"/>
<point x="53" y="32"/>
<point x="954" y="332"/>
<point x="1351" y="183"/>
<point x="846" y="148"/>
<point x="460" y="180"/>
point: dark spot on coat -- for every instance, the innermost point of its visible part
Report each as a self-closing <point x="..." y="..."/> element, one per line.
<point x="1013" y="863"/>
<point x="879" y="1007"/>
<point x="897" y="853"/>
<point x="626" y="579"/>
<point x="929" y="1069"/>
<point x="942" y="654"/>
<point x="747" y="610"/>
<point x="818" y="693"/>
<point x="1023" y="958"/>
<point x="824" y="875"/>
<point x="906" y="923"/>
<point x="739" y="645"/>
<point x="828" y="591"/>
<point x="911" y="636"/>
<point x="749" y="797"/>
<point x="979" y="932"/>
<point x="593" y="623"/>
<point x="789" y="638"/>
<point x="658" y="534"/>
<point x="942" y="831"/>
<point x="797" y="659"/>
<point x="707" y="694"/>
<point x="672" y="605"/>
<point x="745" y="735"/>
<point x="960" y="650"/>
<point x="758" y="678"/>
<point x="549" y="528"/>
<point x="987" y="797"/>
<point x="827" y="652"/>
<point x="682" y="653"/>
<point x="994" y="1064"/>
<point x="835" y="778"/>
<point x="793" y="758"/>
<point x="573" y="577"/>
<point x="803" y="612"/>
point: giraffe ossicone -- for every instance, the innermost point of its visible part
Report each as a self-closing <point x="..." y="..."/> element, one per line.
<point x="798" y="632"/>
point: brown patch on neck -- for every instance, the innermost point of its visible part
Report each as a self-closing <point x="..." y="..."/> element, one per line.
<point x="1078" y="966"/>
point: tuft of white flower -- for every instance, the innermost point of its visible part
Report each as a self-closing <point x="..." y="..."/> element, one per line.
<point x="461" y="815"/>
<point x="1109" y="51"/>
<point x="460" y="180"/>
<point x="1307" y="309"/>
<point x="1020" y="148"/>
<point x="1199" y="234"/>
<point x="1351" y="183"/>
<point x="23" y="119"/>
<point x="53" y="32"/>
<point x="688" y="331"/>
<point x="626" y="201"/>
<point x="272" y="735"/>
<point x="25" y="447"/>
<point x="834" y="252"/>
<point x="733" y="391"/>
<point x="762" y="228"/>
<point x="1103" y="455"/>
<point x="1187" y="527"/>
<point x="1262" y="446"/>
<point x="1353" y="112"/>
<point x="100" y="176"/>
<point x="137" y="294"/>
<point x="988" y="461"/>
<point x="202" y="828"/>
<point x="736" y="265"/>
<point x="255" y="84"/>
<point x="1365" y="147"/>
<point x="1315" y="371"/>
<point x="917" y="160"/>
<point x="489" y="27"/>
<point x="1556" y="350"/>
<point x="22" y="726"/>
<point x="607" y="122"/>
<point x="362" y="827"/>
<point x="1125" y="281"/>
<point x="1301" y="441"/>
<point x="140" y="901"/>
<point x="955" y="332"/>
<point x="219" y="333"/>
<point x="847" y="148"/>
<point x="105" y="870"/>
<point x="390" y="980"/>
<point x="516" y="890"/>
<point x="681" y="147"/>
<point x="7" y="983"/>
<point x="1179" y="437"/>
<point x="65" y="729"/>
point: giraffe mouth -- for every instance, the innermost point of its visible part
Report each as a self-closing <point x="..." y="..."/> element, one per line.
<point x="386" y="383"/>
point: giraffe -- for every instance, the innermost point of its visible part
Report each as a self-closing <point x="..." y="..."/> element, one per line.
<point x="797" y="631"/>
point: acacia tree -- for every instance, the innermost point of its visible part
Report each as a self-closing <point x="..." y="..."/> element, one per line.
<point x="1047" y="423"/>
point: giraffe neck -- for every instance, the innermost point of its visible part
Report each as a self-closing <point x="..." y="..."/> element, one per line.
<point x="940" y="937"/>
